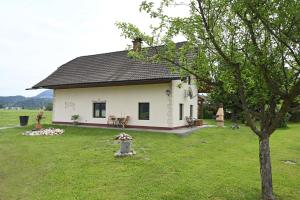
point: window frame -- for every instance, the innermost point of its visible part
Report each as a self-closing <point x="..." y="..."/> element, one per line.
<point x="181" y="110"/>
<point x="189" y="80"/>
<point x="100" y="112"/>
<point x="139" y="111"/>
<point x="191" y="111"/>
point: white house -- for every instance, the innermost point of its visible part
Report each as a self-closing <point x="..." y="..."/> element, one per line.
<point x="98" y="86"/>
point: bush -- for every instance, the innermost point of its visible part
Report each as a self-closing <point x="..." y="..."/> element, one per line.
<point x="295" y="117"/>
<point x="49" y="107"/>
<point x="74" y="117"/>
<point x="208" y="112"/>
<point x="284" y="121"/>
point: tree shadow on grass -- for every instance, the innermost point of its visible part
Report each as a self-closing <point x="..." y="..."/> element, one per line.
<point x="189" y="193"/>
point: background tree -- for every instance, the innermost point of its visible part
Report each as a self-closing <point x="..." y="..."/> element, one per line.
<point x="49" y="107"/>
<point x="250" y="48"/>
<point x="230" y="101"/>
<point x="295" y="114"/>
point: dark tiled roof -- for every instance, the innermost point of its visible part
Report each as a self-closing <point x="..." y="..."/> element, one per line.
<point x="105" y="68"/>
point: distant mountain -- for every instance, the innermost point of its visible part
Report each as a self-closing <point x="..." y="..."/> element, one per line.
<point x="33" y="103"/>
<point x="38" y="101"/>
<point x="11" y="99"/>
<point x="48" y="94"/>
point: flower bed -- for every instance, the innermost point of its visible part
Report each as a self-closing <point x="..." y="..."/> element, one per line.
<point x="123" y="137"/>
<point x="46" y="131"/>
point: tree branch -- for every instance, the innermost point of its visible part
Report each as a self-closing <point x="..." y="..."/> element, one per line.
<point x="201" y="79"/>
<point x="258" y="52"/>
<point x="211" y="37"/>
<point x="269" y="29"/>
<point x="286" y="105"/>
<point x="236" y="66"/>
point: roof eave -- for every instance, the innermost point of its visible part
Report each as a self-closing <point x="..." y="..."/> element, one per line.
<point x="106" y="84"/>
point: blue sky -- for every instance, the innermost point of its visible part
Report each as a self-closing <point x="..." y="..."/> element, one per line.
<point x="37" y="36"/>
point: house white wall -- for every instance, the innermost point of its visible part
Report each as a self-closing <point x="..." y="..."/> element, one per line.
<point x="120" y="101"/>
<point x="123" y="100"/>
<point x="180" y="97"/>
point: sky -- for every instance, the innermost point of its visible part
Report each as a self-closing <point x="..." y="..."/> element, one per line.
<point x="38" y="36"/>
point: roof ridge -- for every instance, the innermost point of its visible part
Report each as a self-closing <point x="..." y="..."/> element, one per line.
<point x="103" y="53"/>
<point x="125" y="50"/>
<point x="107" y="67"/>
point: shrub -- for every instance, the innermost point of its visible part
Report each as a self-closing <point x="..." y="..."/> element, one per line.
<point x="49" y="107"/>
<point x="75" y="117"/>
<point x="39" y="118"/>
<point x="284" y="121"/>
<point x="208" y="112"/>
<point x="295" y="117"/>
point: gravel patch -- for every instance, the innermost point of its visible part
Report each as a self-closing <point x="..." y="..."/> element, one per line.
<point x="46" y="132"/>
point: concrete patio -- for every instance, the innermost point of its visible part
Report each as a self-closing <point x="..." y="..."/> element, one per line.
<point x="180" y="131"/>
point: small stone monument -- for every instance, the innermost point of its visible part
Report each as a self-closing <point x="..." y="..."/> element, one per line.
<point x="220" y="116"/>
<point x="125" y="150"/>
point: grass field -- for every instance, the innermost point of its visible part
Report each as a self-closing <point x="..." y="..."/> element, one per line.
<point x="214" y="163"/>
<point x="11" y="117"/>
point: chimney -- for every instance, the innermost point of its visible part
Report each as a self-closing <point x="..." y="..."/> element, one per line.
<point x="137" y="44"/>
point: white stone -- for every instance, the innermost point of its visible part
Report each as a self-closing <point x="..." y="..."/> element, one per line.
<point x="47" y="132"/>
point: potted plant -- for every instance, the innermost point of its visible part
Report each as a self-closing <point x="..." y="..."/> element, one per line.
<point x="75" y="119"/>
<point x="39" y="118"/>
<point x="125" y="140"/>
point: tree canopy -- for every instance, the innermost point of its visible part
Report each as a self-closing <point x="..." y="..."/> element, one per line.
<point x="249" y="48"/>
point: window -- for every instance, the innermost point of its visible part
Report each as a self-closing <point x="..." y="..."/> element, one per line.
<point x="191" y="111"/>
<point x="99" y="110"/>
<point x="180" y="111"/>
<point x="144" y="111"/>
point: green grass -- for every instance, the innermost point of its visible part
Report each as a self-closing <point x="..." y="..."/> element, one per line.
<point x="11" y="117"/>
<point x="213" y="163"/>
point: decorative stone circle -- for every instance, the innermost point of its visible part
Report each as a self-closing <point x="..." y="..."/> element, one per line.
<point x="125" y="150"/>
<point x="46" y="132"/>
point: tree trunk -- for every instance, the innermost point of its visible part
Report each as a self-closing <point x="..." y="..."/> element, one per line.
<point x="265" y="169"/>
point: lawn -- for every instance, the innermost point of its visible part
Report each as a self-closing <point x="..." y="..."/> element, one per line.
<point x="11" y="117"/>
<point x="212" y="163"/>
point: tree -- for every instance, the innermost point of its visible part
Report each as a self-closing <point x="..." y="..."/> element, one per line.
<point x="250" y="48"/>
<point x="1" y="106"/>
<point x="229" y="100"/>
<point x="49" y="107"/>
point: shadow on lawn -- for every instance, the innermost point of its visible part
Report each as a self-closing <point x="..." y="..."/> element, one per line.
<point x="187" y="192"/>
